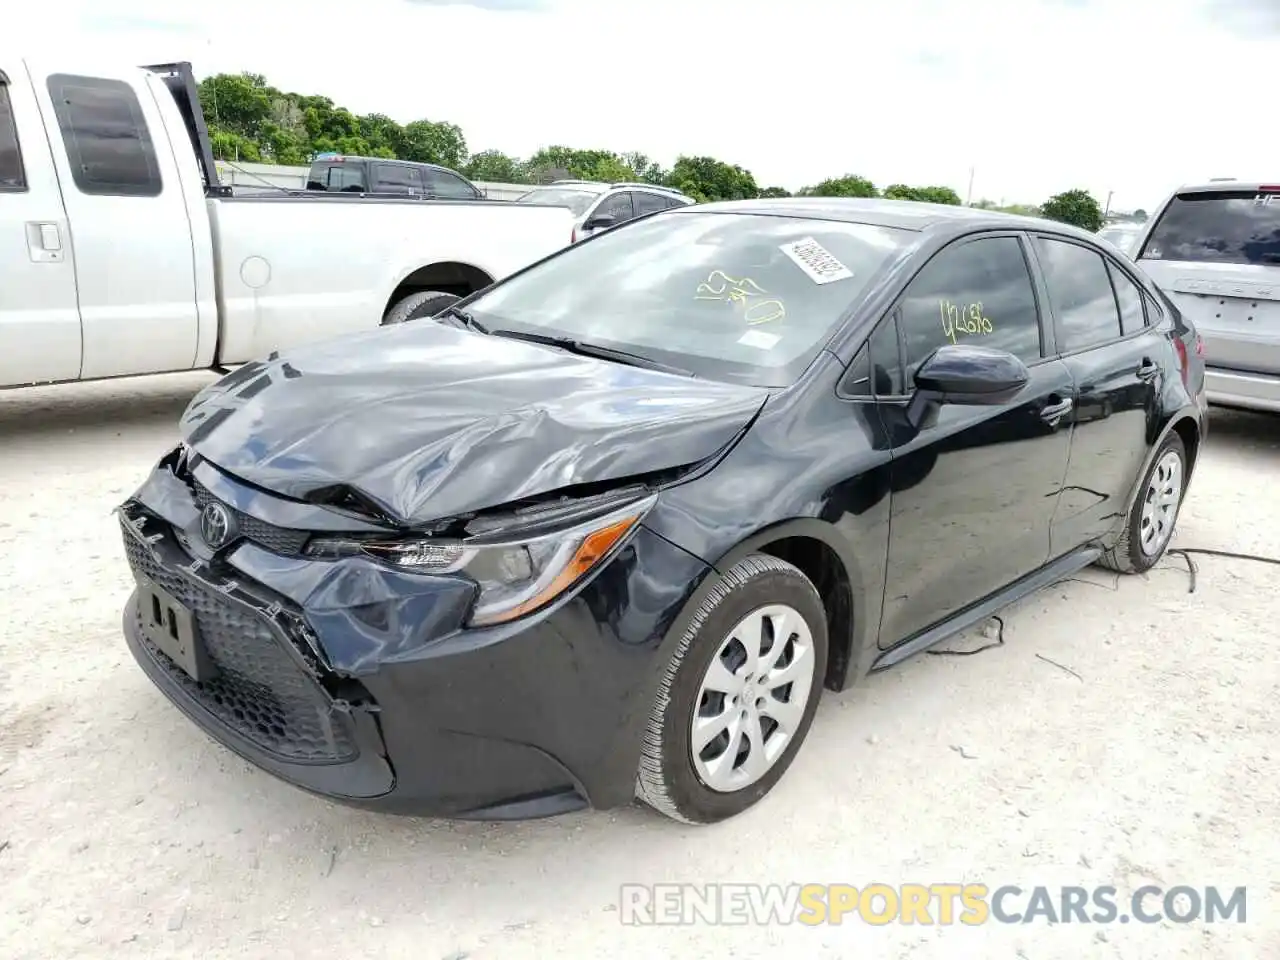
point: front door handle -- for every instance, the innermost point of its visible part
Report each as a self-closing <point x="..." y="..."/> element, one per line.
<point x="44" y="242"/>
<point x="1148" y="369"/>
<point x="1054" y="412"/>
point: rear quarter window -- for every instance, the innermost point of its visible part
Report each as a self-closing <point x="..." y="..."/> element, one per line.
<point x="108" y="144"/>
<point x="1236" y="227"/>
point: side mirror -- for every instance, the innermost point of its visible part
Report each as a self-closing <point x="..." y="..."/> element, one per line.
<point x="968" y="375"/>
<point x="603" y="222"/>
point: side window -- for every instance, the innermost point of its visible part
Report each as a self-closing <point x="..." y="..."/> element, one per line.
<point x="1129" y="297"/>
<point x="876" y="371"/>
<point x="1080" y="292"/>
<point x="393" y="178"/>
<point x="105" y="136"/>
<point x="347" y="178"/>
<point x="12" y="176"/>
<point x="649" y="203"/>
<point x="446" y="185"/>
<point x="976" y="291"/>
<point x="318" y="178"/>
<point x="617" y="206"/>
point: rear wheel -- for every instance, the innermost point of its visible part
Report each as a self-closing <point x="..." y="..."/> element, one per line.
<point x="1154" y="513"/>
<point x="738" y="696"/>
<point x="424" y="303"/>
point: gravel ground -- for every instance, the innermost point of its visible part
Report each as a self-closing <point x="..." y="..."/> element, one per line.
<point x="1145" y="753"/>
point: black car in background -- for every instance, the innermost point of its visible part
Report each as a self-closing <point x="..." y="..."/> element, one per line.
<point x="335" y="173"/>
<point x="612" y="525"/>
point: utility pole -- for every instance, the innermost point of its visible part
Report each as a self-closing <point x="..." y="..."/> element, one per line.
<point x="968" y="200"/>
<point x="1110" y="194"/>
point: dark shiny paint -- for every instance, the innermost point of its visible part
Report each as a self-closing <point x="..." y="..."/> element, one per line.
<point x="910" y="532"/>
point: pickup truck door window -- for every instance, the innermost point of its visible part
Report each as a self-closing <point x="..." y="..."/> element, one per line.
<point x="127" y="169"/>
<point x="39" y="318"/>
<point x="393" y="178"/>
<point x="446" y="185"/>
<point x="347" y="178"/>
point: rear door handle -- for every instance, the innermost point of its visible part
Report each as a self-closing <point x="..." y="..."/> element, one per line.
<point x="1056" y="411"/>
<point x="1148" y="369"/>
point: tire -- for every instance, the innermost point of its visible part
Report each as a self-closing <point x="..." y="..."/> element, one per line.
<point x="424" y="303"/>
<point x="1132" y="554"/>
<point x="671" y="779"/>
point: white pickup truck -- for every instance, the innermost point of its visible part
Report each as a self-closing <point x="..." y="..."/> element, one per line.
<point x="122" y="254"/>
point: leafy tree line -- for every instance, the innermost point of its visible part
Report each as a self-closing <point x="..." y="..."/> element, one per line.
<point x="251" y="121"/>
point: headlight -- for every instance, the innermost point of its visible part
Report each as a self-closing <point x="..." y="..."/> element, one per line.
<point x="516" y="574"/>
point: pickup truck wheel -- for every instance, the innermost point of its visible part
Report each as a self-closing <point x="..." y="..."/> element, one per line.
<point x="738" y="695"/>
<point x="424" y="303"/>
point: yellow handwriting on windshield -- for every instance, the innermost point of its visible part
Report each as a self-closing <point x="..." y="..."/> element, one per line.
<point x="968" y="320"/>
<point x="745" y="292"/>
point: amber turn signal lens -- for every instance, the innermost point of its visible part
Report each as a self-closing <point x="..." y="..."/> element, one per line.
<point x="594" y="547"/>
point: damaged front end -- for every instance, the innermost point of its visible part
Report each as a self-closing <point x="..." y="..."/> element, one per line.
<point x="270" y="622"/>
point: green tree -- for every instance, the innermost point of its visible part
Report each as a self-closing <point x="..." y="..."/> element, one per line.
<point x="645" y="169"/>
<point x="775" y="192"/>
<point x="1140" y="214"/>
<point x="442" y="143"/>
<point x="850" y="185"/>
<point x="494" y="166"/>
<point x="706" y="179"/>
<point x="568" y="163"/>
<point x="1077" y="207"/>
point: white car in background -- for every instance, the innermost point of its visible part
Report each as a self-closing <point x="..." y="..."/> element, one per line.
<point x="598" y="206"/>
<point x="1124" y="236"/>
<point x="1215" y="251"/>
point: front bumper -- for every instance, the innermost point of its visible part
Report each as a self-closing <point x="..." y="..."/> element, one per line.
<point x="539" y="717"/>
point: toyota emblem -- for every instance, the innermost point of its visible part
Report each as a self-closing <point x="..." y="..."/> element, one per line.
<point x="215" y="525"/>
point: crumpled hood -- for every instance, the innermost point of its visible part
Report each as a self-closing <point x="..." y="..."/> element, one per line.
<point x="429" y="421"/>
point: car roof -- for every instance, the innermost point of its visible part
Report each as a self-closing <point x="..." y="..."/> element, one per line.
<point x="1224" y="185"/>
<point x="901" y="214"/>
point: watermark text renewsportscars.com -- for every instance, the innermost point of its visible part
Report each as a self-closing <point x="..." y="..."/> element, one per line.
<point x="944" y="904"/>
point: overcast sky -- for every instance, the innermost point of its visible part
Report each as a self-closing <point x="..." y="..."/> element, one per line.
<point x="1036" y="96"/>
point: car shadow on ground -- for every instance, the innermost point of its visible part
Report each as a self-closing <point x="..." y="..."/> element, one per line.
<point x="138" y="404"/>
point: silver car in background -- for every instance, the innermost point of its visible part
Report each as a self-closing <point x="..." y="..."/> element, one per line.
<point x="1123" y="236"/>
<point x="598" y="206"/>
<point x="1214" y="249"/>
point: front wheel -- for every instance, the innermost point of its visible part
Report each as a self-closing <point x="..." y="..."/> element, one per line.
<point x="424" y="303"/>
<point x="738" y="696"/>
<point x="1149" y="526"/>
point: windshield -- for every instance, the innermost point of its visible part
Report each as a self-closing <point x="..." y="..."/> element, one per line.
<point x="747" y="298"/>
<point x="1218" y="227"/>
<point x="576" y="200"/>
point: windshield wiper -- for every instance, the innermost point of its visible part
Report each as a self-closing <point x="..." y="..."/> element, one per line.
<point x="467" y="320"/>
<point x="585" y="349"/>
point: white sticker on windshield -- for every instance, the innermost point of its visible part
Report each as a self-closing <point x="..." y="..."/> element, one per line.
<point x="816" y="260"/>
<point x="759" y="339"/>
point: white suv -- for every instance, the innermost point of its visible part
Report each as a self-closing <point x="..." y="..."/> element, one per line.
<point x="599" y="206"/>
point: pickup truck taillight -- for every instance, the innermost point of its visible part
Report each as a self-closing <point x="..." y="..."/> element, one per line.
<point x="1199" y="345"/>
<point x="573" y="235"/>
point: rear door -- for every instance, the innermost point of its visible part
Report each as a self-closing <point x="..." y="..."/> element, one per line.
<point x="39" y="318"/>
<point x="1216" y="254"/>
<point x="1117" y="362"/>
<point x="131" y="228"/>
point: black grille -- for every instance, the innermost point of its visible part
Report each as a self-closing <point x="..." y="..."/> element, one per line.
<point x="260" y="689"/>
<point x="276" y="539"/>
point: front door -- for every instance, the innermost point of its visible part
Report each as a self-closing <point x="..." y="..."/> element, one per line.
<point x="973" y="493"/>
<point x="131" y="226"/>
<point x="1116" y="360"/>
<point x="39" y="317"/>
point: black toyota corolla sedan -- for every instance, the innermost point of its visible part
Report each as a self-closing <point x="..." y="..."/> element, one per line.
<point x="611" y="527"/>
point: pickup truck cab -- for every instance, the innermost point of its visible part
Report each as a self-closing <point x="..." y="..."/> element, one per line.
<point x="122" y="254"/>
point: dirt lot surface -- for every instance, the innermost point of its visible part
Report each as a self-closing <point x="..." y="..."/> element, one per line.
<point x="1146" y="753"/>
